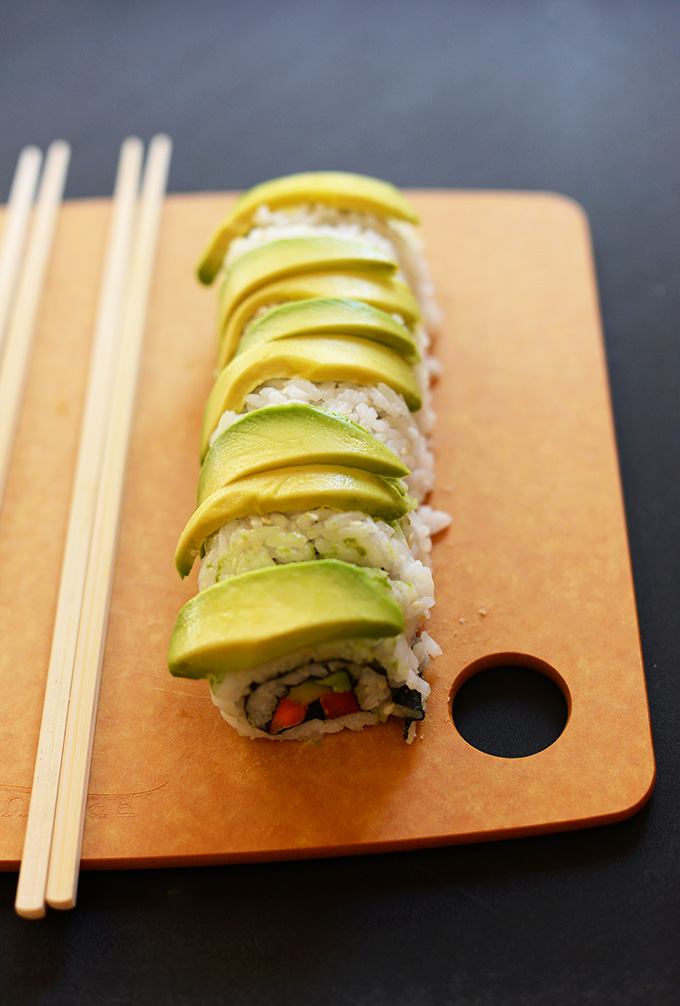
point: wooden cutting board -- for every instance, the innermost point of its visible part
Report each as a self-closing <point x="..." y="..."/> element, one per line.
<point x="533" y="570"/>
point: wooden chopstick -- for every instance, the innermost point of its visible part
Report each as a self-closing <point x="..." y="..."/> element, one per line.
<point x="30" y="898"/>
<point x="28" y="297"/>
<point x="19" y="204"/>
<point x="62" y="882"/>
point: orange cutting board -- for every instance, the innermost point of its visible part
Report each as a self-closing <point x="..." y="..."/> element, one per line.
<point x="534" y="568"/>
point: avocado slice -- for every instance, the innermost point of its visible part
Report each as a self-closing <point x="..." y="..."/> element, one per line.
<point x="280" y="436"/>
<point x="310" y="358"/>
<point x="268" y="613"/>
<point x="383" y="292"/>
<point x="292" y="256"/>
<point x="331" y="316"/>
<point x="300" y="487"/>
<point x="342" y="190"/>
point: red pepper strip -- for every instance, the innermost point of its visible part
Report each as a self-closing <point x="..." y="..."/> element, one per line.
<point x="336" y="704"/>
<point x="288" y="714"/>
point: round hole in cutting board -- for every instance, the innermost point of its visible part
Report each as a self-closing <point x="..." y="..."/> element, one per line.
<point x="510" y="710"/>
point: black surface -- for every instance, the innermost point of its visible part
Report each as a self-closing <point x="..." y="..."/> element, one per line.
<point x="580" y="98"/>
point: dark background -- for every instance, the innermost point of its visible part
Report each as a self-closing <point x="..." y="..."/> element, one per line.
<point x="578" y="97"/>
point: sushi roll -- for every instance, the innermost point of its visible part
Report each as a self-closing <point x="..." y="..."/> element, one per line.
<point x="312" y="528"/>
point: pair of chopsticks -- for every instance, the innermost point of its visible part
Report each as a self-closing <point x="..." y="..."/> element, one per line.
<point x="54" y="832"/>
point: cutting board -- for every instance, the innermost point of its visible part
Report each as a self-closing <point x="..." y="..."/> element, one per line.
<point x="534" y="569"/>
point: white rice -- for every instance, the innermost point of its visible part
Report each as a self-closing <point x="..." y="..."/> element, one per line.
<point x="434" y="520"/>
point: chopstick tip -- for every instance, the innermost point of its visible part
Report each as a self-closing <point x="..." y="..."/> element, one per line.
<point x="61" y="902"/>
<point x="133" y="142"/>
<point x="30" y="153"/>
<point x="161" y="140"/>
<point x="59" y="148"/>
<point x="25" y="911"/>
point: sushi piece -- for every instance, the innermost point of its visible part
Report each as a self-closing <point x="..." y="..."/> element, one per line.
<point x="331" y="316"/>
<point x="331" y="652"/>
<point x="382" y="292"/>
<point x="378" y="409"/>
<point x="287" y="458"/>
<point x="285" y="490"/>
<point x="311" y="526"/>
<point x="279" y="436"/>
<point x="341" y="190"/>
<point x="344" y="359"/>
<point x="285" y="258"/>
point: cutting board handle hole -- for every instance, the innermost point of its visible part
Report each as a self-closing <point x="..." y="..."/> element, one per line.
<point x="510" y="706"/>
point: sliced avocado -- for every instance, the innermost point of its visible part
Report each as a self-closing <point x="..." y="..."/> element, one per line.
<point x="291" y="257"/>
<point x="384" y="292"/>
<point x="309" y="358"/>
<point x="268" y="613"/>
<point x="342" y="190"/>
<point x="331" y="316"/>
<point x="279" y="436"/>
<point x="284" y="490"/>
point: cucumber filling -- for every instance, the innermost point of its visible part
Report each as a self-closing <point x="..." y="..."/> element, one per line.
<point x="326" y="692"/>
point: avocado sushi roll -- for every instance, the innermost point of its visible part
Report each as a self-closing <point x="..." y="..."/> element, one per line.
<point x="311" y="527"/>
